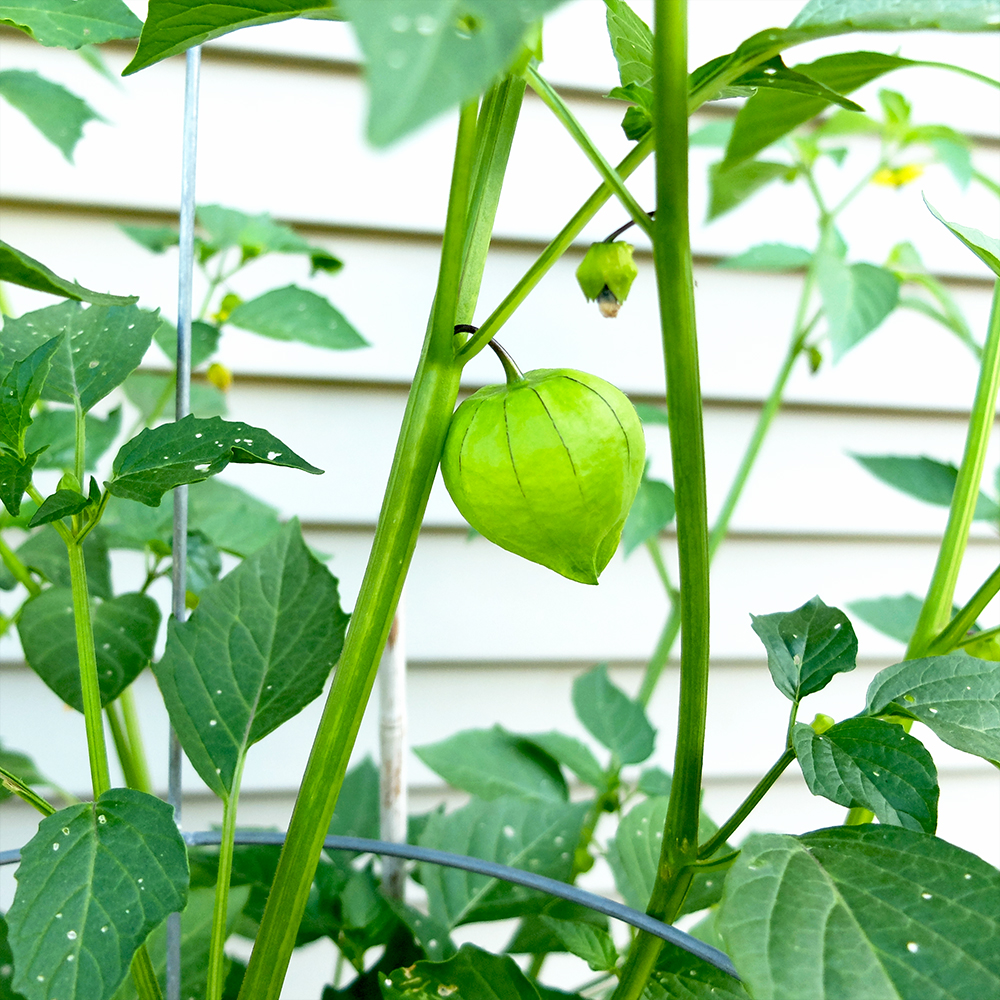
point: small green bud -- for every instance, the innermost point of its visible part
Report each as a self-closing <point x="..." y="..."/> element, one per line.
<point x="821" y="723"/>
<point x="547" y="467"/>
<point x="606" y="275"/>
<point x="69" y="482"/>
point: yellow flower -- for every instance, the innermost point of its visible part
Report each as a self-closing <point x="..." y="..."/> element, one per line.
<point x="898" y="176"/>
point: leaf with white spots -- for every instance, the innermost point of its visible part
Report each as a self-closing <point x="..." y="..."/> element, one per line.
<point x="806" y="647"/>
<point x="472" y="973"/>
<point x="98" y="347"/>
<point x="532" y="834"/>
<point x="873" y="764"/>
<point x="863" y="911"/>
<point x="125" y="629"/>
<point x="189" y="451"/>
<point x="93" y="882"/>
<point x="957" y="696"/>
<point x="255" y="652"/>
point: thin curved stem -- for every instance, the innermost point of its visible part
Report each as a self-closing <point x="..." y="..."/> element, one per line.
<point x="951" y="637"/>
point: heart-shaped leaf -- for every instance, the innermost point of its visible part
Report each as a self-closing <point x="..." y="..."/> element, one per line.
<point x="255" y="652"/>
<point x="189" y="451"/>
<point x="614" y="719"/>
<point x="125" y="629"/>
<point x="873" y="764"/>
<point x="807" y="647"/>
<point x="295" y="313"/>
<point x="93" y="882"/>
<point x="863" y="911"/>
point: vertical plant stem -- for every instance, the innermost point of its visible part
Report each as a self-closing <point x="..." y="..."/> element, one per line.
<point x="144" y="975"/>
<point x="80" y="451"/>
<point x="86" y="653"/>
<point x="216" y="953"/>
<point x="131" y="716"/>
<point x="675" y="286"/>
<point x="418" y="452"/>
<point x="936" y="611"/>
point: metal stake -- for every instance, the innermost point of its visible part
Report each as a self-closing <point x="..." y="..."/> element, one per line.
<point x="392" y="733"/>
<point x="185" y="280"/>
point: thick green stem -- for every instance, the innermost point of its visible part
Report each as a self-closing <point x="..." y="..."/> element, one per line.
<point x="216" y="953"/>
<point x="953" y="635"/>
<point x="418" y="452"/>
<point x="747" y="806"/>
<point x="494" y="135"/>
<point x="936" y="610"/>
<point x="87" y="655"/>
<point x="675" y="286"/>
<point x="144" y="976"/>
<point x="558" y="107"/>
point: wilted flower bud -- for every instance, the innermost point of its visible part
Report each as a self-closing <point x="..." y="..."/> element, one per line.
<point x="220" y="376"/>
<point x="606" y="274"/>
<point x="547" y="467"/>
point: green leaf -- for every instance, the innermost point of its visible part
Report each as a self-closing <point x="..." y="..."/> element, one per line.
<point x="650" y="414"/>
<point x="898" y="15"/>
<point x="773" y="74"/>
<point x="713" y="134"/>
<point x="56" y="112"/>
<point x="196" y="939"/>
<point x="569" y="751"/>
<point x="926" y="479"/>
<point x="153" y="395"/>
<point x="864" y="911"/>
<point x="956" y="696"/>
<point x="227" y="516"/>
<point x="612" y="718"/>
<point x="62" y="503"/>
<point x="20" y="269"/>
<point x="471" y="973"/>
<point x="154" y="238"/>
<point x="634" y="856"/>
<point x="6" y="965"/>
<point x="189" y="451"/>
<point x="44" y="552"/>
<point x="986" y="248"/>
<point x="358" y="804"/>
<point x="98" y="347"/>
<point x="424" y="57"/>
<point x="535" y="835"/>
<point x="681" y="976"/>
<point x="204" y="340"/>
<point x="493" y="762"/>
<point x="730" y="187"/>
<point x="173" y="26"/>
<point x="632" y="44"/>
<point x="15" y="475"/>
<point x="592" y="944"/>
<point x="255" y="652"/>
<point x="769" y="257"/>
<point x="294" y="313"/>
<point x="20" y="390"/>
<point x="956" y="155"/>
<point x="203" y="565"/>
<point x="856" y="299"/>
<point x="71" y="23"/>
<point x="93" y="882"/>
<point x="125" y="629"/>
<point x="654" y="781"/>
<point x="771" y="114"/>
<point x="652" y="510"/>
<point x="872" y="764"/>
<point x="895" y="617"/>
<point x="806" y="647"/>
<point x="55" y="431"/>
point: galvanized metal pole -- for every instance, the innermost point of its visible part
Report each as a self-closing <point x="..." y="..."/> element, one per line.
<point x="392" y="742"/>
<point x="185" y="280"/>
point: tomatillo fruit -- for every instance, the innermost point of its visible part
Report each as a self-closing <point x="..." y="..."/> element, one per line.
<point x="547" y="467"/>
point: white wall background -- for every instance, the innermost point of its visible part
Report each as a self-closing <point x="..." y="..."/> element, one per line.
<point x="493" y="638"/>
